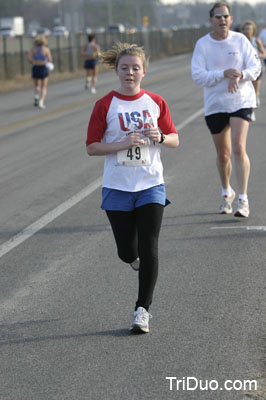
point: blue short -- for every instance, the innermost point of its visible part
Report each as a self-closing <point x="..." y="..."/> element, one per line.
<point x="118" y="200"/>
<point x="90" y="64"/>
<point x="39" y="72"/>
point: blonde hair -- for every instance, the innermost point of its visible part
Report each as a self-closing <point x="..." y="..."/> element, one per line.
<point x="251" y="23"/>
<point x="40" y="40"/>
<point x="111" y="57"/>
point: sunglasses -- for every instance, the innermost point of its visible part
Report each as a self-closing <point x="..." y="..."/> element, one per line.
<point x="219" y="16"/>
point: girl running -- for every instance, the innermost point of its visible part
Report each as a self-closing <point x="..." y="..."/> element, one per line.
<point x="129" y="126"/>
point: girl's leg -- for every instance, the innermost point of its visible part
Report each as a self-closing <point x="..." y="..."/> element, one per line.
<point x="149" y="220"/>
<point x="124" y="228"/>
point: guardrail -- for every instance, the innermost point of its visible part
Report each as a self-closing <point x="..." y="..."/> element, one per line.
<point x="66" y="51"/>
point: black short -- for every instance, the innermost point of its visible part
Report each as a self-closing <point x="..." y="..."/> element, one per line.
<point x="217" y="122"/>
<point x="39" y="72"/>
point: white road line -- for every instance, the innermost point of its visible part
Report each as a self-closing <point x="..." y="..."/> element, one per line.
<point x="30" y="230"/>
<point x="247" y="228"/>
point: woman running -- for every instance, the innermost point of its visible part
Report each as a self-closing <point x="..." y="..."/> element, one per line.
<point x="91" y="52"/>
<point x="249" y="30"/>
<point x="39" y="56"/>
<point x="130" y="126"/>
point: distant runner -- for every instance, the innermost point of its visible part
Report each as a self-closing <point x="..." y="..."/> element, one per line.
<point x="39" y="56"/>
<point x="91" y="52"/>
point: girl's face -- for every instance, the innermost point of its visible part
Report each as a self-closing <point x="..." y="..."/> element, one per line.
<point x="248" y="31"/>
<point x="130" y="72"/>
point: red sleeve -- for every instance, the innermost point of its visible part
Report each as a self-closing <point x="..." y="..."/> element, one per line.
<point x="97" y="122"/>
<point x="165" y="122"/>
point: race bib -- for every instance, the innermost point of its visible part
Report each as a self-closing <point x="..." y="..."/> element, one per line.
<point x="136" y="156"/>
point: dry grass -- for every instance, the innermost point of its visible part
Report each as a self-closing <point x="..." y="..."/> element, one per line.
<point x="23" y="82"/>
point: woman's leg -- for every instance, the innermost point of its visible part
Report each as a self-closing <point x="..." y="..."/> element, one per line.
<point x="44" y="88"/>
<point x="149" y="220"/>
<point x="94" y="75"/>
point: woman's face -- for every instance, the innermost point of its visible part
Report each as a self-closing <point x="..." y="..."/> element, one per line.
<point x="130" y="72"/>
<point x="248" y="31"/>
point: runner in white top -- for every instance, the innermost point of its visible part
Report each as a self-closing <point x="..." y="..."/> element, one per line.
<point x="249" y="29"/>
<point x="129" y="126"/>
<point x="225" y="64"/>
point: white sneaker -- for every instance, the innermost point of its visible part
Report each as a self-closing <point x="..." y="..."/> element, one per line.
<point x="135" y="264"/>
<point x="242" y="209"/>
<point x="93" y="90"/>
<point x="141" y="321"/>
<point x="258" y="101"/>
<point x="226" y="207"/>
<point x="41" y="105"/>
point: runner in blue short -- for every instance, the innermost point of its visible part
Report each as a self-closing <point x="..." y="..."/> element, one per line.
<point x="91" y="53"/>
<point x="129" y="126"/>
<point x="39" y="56"/>
<point x="225" y="64"/>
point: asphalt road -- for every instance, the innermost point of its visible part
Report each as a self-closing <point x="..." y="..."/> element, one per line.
<point x="67" y="300"/>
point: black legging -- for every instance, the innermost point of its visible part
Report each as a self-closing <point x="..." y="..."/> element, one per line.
<point x="136" y="234"/>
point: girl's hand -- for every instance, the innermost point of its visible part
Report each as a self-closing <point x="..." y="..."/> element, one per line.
<point x="134" y="139"/>
<point x="153" y="134"/>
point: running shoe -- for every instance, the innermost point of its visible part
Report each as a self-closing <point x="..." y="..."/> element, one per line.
<point x="135" y="264"/>
<point x="93" y="90"/>
<point x="226" y="207"/>
<point x="41" y="105"/>
<point x="258" y="101"/>
<point x="36" y="102"/>
<point x="141" y="321"/>
<point x="87" y="85"/>
<point x="242" y="209"/>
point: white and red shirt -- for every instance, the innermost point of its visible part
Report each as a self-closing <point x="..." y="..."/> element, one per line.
<point x="114" y="116"/>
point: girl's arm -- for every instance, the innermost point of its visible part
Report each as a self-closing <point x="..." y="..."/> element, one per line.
<point x="102" y="149"/>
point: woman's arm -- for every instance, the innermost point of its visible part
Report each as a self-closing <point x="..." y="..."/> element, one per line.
<point x="49" y="55"/>
<point x="261" y="49"/>
<point x="29" y="56"/>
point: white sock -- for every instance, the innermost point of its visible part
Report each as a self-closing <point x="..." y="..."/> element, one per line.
<point x="243" y="197"/>
<point x="226" y="192"/>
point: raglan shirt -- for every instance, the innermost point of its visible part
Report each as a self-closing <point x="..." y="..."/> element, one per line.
<point x="114" y="116"/>
<point x="209" y="61"/>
